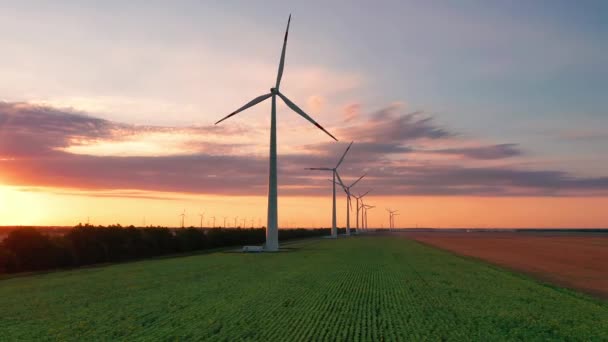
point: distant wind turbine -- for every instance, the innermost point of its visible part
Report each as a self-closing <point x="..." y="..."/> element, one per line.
<point x="202" y="216"/>
<point x="391" y="213"/>
<point x="272" y="230"/>
<point x="359" y="198"/>
<point x="348" y="201"/>
<point x="334" y="170"/>
<point x="183" y="215"/>
<point x="365" y="208"/>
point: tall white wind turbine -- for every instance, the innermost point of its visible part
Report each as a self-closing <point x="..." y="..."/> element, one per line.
<point x="272" y="229"/>
<point x="348" y="200"/>
<point x="334" y="170"/>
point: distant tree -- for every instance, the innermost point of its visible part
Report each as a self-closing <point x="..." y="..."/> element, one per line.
<point x="32" y="249"/>
<point x="27" y="249"/>
<point x="8" y="260"/>
<point x="190" y="239"/>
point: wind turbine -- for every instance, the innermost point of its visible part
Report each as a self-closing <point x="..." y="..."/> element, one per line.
<point x="363" y="214"/>
<point x="213" y="222"/>
<point x="235" y="218"/>
<point x="348" y="203"/>
<point x="334" y="170"/>
<point x="365" y="208"/>
<point x="183" y="215"/>
<point x="359" y="198"/>
<point x="225" y="221"/>
<point x="202" y="216"/>
<point x="394" y="220"/>
<point x="272" y="230"/>
<point x="391" y="213"/>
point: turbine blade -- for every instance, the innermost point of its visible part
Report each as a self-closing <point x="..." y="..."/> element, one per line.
<point x="249" y="104"/>
<point x="340" y="180"/>
<point x="344" y="187"/>
<point x="357" y="181"/>
<point x="344" y="155"/>
<point x="337" y="183"/>
<point x="319" y="168"/>
<point x="297" y="109"/>
<point x="361" y="196"/>
<point x="282" y="61"/>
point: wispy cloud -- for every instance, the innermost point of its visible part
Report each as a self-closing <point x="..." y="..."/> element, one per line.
<point x="499" y="151"/>
<point x="391" y="146"/>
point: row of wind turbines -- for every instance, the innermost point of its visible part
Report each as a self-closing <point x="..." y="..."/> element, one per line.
<point x="272" y="234"/>
<point x="241" y="222"/>
<point x="210" y="219"/>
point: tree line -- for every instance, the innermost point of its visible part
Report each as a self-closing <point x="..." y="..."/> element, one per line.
<point x="29" y="249"/>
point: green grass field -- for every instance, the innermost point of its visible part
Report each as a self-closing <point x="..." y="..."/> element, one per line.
<point x="358" y="289"/>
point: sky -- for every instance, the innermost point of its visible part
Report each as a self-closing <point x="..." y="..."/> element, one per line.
<point x="463" y="114"/>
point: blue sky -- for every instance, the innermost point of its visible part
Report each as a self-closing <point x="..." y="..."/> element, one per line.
<point x="530" y="73"/>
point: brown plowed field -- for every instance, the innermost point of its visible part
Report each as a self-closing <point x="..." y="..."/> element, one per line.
<point x="574" y="260"/>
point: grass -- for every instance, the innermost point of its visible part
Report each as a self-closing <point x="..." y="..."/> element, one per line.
<point x="358" y="289"/>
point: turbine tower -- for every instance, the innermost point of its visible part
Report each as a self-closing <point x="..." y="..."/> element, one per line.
<point x="183" y="215"/>
<point x="363" y="214"/>
<point x="359" y="198"/>
<point x="394" y="220"/>
<point x="365" y="208"/>
<point x="213" y="222"/>
<point x="391" y="213"/>
<point x="334" y="170"/>
<point x="202" y="216"/>
<point x="272" y="229"/>
<point x="348" y="202"/>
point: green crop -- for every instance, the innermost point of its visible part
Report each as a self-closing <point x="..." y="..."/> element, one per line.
<point x="357" y="289"/>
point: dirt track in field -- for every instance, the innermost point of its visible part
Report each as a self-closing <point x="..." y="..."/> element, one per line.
<point x="578" y="261"/>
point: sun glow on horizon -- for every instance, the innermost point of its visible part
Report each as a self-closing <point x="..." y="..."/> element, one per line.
<point x="68" y="207"/>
